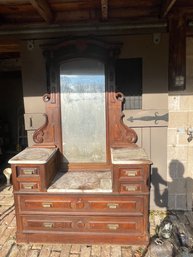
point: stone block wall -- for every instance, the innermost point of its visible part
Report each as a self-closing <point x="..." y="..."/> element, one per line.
<point x="180" y="141"/>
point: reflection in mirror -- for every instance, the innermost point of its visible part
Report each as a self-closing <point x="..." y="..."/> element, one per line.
<point x="83" y="115"/>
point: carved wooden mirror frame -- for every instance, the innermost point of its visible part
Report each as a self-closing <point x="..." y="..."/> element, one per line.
<point x="50" y="135"/>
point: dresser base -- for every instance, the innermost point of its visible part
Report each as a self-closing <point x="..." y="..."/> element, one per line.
<point x="79" y="238"/>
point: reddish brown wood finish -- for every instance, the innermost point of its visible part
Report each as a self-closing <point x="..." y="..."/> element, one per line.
<point x="120" y="216"/>
<point x="106" y="218"/>
<point x="34" y="177"/>
<point x="117" y="217"/>
<point x="109" y="204"/>
<point x="133" y="174"/>
<point x="120" y="134"/>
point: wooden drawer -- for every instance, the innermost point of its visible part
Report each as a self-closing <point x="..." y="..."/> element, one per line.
<point x="97" y="204"/>
<point x="104" y="224"/>
<point x="29" y="186"/>
<point x="131" y="178"/>
<point x="131" y="174"/>
<point x="28" y="171"/>
<point x="133" y="188"/>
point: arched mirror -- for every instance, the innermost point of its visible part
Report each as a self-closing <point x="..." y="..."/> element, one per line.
<point x="83" y="110"/>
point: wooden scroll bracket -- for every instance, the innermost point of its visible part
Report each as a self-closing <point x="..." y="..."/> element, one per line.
<point x="39" y="133"/>
<point x="120" y="134"/>
<point x="46" y="134"/>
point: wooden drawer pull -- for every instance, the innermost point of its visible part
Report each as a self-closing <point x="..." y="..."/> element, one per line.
<point x="131" y="188"/>
<point x="28" y="186"/>
<point x="48" y="225"/>
<point x="47" y="205"/>
<point x="113" y="226"/>
<point x="113" y="205"/>
<point x="131" y="173"/>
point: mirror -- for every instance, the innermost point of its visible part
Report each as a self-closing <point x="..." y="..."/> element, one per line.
<point x="83" y="110"/>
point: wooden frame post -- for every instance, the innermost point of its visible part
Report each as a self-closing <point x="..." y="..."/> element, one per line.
<point x="177" y="52"/>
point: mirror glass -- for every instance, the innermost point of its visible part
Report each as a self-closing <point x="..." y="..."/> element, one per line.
<point x="83" y="114"/>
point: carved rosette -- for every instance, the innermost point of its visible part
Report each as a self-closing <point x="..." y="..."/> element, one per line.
<point x="46" y="97"/>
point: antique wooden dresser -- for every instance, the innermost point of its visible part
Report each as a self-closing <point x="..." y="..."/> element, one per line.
<point x="85" y="180"/>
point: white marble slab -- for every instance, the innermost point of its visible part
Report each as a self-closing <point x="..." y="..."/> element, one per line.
<point x="129" y="156"/>
<point x="82" y="181"/>
<point x="33" y="155"/>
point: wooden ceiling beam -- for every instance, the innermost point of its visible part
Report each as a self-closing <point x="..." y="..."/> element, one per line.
<point x="104" y="9"/>
<point x="9" y="48"/>
<point x="9" y="45"/>
<point x="166" y="7"/>
<point x="43" y="9"/>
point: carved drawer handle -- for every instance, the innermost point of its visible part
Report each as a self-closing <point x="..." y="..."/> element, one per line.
<point x="131" y="173"/>
<point x="48" y="225"/>
<point x="47" y="205"/>
<point x="113" y="205"/>
<point x="113" y="226"/>
<point x="28" y="186"/>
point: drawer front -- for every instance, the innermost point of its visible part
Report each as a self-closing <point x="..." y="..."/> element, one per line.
<point x="29" y="186"/>
<point x="83" y="224"/>
<point x="116" y="225"/>
<point x="131" y="174"/>
<point x="28" y="171"/>
<point x="115" y="204"/>
<point x="132" y="188"/>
